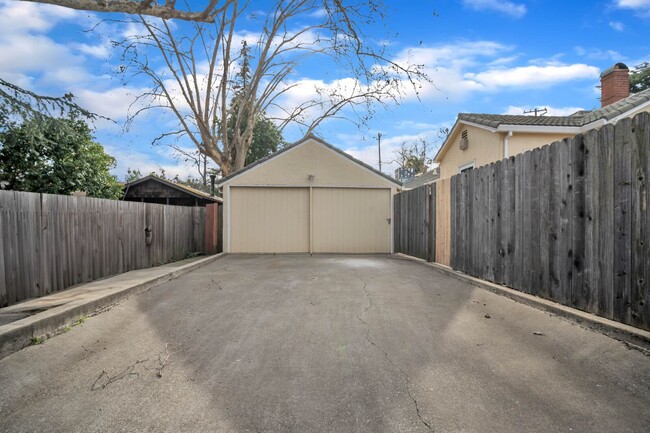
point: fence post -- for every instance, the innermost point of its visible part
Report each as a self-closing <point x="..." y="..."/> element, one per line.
<point x="431" y="229"/>
<point x="211" y="225"/>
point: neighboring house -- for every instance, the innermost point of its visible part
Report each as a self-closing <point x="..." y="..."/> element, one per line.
<point x="153" y="189"/>
<point x="422" y="179"/>
<point x="479" y="139"/>
<point x="309" y="197"/>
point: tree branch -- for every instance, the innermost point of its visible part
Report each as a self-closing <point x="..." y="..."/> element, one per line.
<point x="144" y="7"/>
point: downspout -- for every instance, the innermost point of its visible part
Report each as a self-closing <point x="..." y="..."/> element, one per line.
<point x="506" y="151"/>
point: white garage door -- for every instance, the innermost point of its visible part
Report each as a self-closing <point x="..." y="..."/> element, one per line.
<point x="269" y="220"/>
<point x="351" y="220"/>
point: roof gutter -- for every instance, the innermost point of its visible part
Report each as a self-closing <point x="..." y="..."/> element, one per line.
<point x="534" y="128"/>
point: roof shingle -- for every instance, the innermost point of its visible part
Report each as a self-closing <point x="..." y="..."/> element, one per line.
<point x="577" y="119"/>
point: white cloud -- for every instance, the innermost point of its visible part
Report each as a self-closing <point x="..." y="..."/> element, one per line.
<point x="617" y="25"/>
<point x="366" y="150"/>
<point x="146" y="162"/>
<point x="641" y="7"/>
<point x="598" y="54"/>
<point x="319" y="13"/>
<point x="21" y="17"/>
<point x="409" y="124"/>
<point x="534" y="76"/>
<point x="503" y="60"/>
<point x="100" y="51"/>
<point x="634" y="4"/>
<point x="516" y="10"/>
<point x="33" y="53"/>
<point x="452" y="55"/>
<point x="465" y="68"/>
<point x="112" y="103"/>
<point x="552" y="111"/>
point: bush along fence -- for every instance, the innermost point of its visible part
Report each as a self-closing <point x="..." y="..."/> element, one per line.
<point x="567" y="222"/>
<point x="51" y="242"/>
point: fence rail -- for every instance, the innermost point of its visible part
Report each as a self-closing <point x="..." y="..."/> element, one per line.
<point x="567" y="222"/>
<point x="51" y="242"/>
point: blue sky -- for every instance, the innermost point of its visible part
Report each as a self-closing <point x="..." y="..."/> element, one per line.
<point x="483" y="56"/>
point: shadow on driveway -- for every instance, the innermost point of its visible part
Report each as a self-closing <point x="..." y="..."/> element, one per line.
<point x="324" y="343"/>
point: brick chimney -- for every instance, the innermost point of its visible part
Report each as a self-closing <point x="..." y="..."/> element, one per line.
<point x="614" y="84"/>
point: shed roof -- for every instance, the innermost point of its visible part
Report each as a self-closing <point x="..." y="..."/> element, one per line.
<point x="184" y="188"/>
<point x="298" y="143"/>
<point x="422" y="179"/>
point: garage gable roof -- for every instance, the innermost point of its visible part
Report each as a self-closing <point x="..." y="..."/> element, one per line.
<point x="298" y="143"/>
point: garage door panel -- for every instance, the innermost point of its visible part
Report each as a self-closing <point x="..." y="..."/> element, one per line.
<point x="351" y="220"/>
<point x="269" y="220"/>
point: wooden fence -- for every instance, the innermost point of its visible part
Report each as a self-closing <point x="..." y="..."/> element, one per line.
<point x="567" y="222"/>
<point x="51" y="242"/>
<point x="422" y="222"/>
<point x="415" y="222"/>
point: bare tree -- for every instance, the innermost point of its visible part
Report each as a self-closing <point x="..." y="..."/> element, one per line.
<point x="160" y="9"/>
<point x="414" y="155"/>
<point x="197" y="81"/>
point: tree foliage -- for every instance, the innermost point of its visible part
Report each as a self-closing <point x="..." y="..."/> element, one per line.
<point x="56" y="156"/>
<point x="414" y="155"/>
<point x="195" y="81"/>
<point x="640" y="78"/>
<point x="132" y="175"/>
<point x="18" y="105"/>
<point x="267" y="138"/>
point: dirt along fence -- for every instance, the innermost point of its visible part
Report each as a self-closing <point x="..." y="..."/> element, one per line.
<point x="51" y="242"/>
<point x="567" y="222"/>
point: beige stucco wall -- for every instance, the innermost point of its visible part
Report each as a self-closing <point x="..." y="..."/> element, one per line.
<point x="294" y="166"/>
<point x="520" y="142"/>
<point x="484" y="147"/>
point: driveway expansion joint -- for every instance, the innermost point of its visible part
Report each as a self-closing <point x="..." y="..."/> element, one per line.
<point x="407" y="381"/>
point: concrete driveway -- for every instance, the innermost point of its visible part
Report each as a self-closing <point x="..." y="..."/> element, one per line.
<point x="324" y="344"/>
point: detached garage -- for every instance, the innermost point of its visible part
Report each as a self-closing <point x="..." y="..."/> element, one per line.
<point x="309" y="197"/>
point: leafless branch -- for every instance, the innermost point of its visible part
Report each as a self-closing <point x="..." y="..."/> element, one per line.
<point x="166" y="10"/>
<point x="197" y="83"/>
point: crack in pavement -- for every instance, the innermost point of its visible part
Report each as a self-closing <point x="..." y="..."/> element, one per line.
<point x="387" y="356"/>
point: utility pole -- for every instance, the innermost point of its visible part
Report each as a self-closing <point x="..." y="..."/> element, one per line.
<point x="379" y="148"/>
<point x="537" y="111"/>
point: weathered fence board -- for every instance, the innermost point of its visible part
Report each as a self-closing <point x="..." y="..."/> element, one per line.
<point x="442" y="211"/>
<point x="415" y="222"/>
<point x="567" y="222"/>
<point x="51" y="242"/>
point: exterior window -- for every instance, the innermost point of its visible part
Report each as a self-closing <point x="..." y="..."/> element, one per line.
<point x="466" y="167"/>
